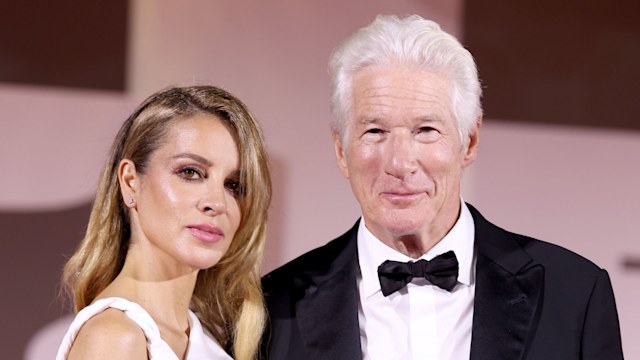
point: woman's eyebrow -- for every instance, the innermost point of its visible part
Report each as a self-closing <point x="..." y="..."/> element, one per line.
<point x="194" y="157"/>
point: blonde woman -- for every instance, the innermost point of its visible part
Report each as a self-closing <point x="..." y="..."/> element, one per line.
<point x="169" y="266"/>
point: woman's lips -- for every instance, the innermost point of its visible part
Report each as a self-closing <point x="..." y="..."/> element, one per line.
<point x="206" y="232"/>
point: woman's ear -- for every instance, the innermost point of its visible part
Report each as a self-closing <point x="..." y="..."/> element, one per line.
<point x="128" y="179"/>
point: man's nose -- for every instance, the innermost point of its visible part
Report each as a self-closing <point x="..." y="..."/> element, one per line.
<point x="400" y="156"/>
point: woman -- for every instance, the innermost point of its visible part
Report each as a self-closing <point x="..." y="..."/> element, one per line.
<point x="176" y="230"/>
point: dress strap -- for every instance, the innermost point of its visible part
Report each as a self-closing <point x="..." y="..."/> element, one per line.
<point x="157" y="348"/>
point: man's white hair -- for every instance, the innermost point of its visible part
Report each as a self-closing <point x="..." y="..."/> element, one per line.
<point x="410" y="42"/>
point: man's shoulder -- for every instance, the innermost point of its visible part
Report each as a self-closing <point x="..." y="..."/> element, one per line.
<point x="550" y="255"/>
<point x="553" y="255"/>
<point x="317" y="263"/>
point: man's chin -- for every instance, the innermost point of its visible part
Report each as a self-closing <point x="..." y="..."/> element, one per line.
<point x="402" y="227"/>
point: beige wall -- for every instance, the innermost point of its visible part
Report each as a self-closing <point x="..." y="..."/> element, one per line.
<point x="570" y="186"/>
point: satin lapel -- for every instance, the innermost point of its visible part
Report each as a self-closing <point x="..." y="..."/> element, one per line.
<point x="508" y="296"/>
<point x="328" y="313"/>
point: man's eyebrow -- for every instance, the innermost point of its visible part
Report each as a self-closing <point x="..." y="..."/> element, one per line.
<point x="368" y="120"/>
<point x="422" y="118"/>
<point x="430" y="118"/>
<point x="194" y="157"/>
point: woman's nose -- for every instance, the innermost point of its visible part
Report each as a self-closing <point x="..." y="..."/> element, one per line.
<point x="213" y="201"/>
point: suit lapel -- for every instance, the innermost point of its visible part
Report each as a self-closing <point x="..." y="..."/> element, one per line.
<point x="508" y="298"/>
<point x="328" y="312"/>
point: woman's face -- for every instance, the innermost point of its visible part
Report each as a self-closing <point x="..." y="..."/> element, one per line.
<point x="186" y="211"/>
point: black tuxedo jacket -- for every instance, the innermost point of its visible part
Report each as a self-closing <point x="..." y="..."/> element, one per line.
<point x="533" y="300"/>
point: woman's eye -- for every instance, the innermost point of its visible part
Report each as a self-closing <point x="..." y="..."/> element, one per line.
<point x="235" y="187"/>
<point x="190" y="173"/>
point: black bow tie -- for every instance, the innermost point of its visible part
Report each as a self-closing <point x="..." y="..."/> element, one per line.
<point x="441" y="271"/>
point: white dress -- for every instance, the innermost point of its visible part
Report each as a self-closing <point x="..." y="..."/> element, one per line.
<point x="201" y="344"/>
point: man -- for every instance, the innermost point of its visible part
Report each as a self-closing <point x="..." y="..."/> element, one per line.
<point x="422" y="275"/>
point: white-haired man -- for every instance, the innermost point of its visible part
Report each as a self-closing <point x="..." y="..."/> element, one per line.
<point x="422" y="275"/>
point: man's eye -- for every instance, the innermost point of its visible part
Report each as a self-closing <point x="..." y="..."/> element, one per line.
<point x="427" y="134"/>
<point x="373" y="131"/>
<point x="426" y="129"/>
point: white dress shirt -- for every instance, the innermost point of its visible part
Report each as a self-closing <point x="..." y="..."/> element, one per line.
<point x="420" y="321"/>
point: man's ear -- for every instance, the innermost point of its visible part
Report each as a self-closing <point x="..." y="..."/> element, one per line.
<point x="128" y="179"/>
<point x="340" y="156"/>
<point x="471" y="150"/>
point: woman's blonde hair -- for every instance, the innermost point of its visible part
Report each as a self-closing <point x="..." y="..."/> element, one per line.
<point x="227" y="297"/>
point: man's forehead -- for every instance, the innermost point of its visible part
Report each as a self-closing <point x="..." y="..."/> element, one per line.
<point x="383" y="87"/>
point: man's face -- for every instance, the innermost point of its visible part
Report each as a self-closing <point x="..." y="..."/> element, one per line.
<point x="403" y="154"/>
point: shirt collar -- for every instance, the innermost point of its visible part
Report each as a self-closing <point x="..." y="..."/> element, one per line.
<point x="372" y="252"/>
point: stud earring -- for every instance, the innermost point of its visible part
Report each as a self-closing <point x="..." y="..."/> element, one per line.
<point x="130" y="201"/>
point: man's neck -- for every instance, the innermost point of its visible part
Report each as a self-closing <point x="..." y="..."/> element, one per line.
<point x="418" y="243"/>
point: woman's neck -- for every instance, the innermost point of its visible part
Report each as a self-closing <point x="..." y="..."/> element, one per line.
<point x="164" y="292"/>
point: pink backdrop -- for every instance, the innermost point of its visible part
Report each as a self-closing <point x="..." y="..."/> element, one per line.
<point x="570" y="186"/>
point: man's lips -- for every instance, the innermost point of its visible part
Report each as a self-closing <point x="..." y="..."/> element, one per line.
<point x="402" y="192"/>
<point x="402" y="196"/>
<point x="206" y="232"/>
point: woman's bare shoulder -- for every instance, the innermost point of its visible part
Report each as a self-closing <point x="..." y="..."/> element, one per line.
<point x="109" y="335"/>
